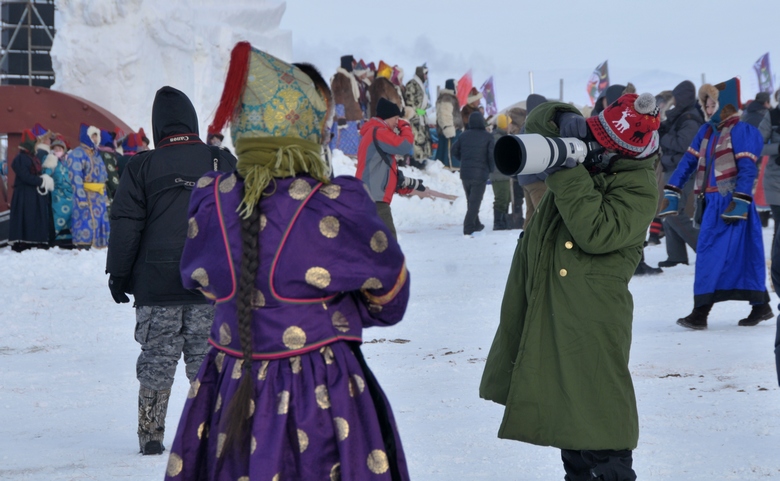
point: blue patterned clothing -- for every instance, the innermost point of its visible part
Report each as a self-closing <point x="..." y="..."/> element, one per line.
<point x="90" y="212"/>
<point x="61" y="199"/>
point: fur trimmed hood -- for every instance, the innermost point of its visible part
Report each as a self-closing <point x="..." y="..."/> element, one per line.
<point x="705" y="91"/>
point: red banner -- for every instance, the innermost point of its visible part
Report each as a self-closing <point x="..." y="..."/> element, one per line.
<point x="464" y="87"/>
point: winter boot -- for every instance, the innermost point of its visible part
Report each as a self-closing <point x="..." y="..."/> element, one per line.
<point x="697" y="319"/>
<point x="152" y="407"/>
<point x="645" y="270"/>
<point x="760" y="312"/>
<point x="499" y="220"/>
<point x="671" y="263"/>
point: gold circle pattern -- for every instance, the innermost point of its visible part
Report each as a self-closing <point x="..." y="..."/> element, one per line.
<point x="342" y="428"/>
<point x="192" y="228"/>
<point x="294" y="337"/>
<point x="175" y="465"/>
<point x="318" y="277"/>
<point x="372" y="283"/>
<point x="284" y="402"/>
<point x="303" y="440"/>
<point x="227" y="184"/>
<point x="323" y="398"/>
<point x="329" y="227"/>
<point x="200" y="276"/>
<point x="194" y="388"/>
<point x="340" y="322"/>
<point x="377" y="462"/>
<point x="331" y="191"/>
<point x="225" y="336"/>
<point x="379" y="242"/>
<point x="205" y="181"/>
<point x="299" y="189"/>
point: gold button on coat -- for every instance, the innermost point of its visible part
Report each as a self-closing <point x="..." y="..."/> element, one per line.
<point x="569" y="244"/>
<point x="564" y="272"/>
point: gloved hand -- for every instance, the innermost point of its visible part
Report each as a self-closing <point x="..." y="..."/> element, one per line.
<point x="402" y="123"/>
<point x="567" y="164"/>
<point x="572" y="125"/>
<point x="737" y="209"/>
<point x="47" y="183"/>
<point x="421" y="112"/>
<point x="117" y="286"/>
<point x="341" y="122"/>
<point x="671" y="203"/>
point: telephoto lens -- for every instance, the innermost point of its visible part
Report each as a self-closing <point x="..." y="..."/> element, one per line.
<point x="534" y="153"/>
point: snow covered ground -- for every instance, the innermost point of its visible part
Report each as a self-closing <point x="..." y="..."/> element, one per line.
<point x="709" y="402"/>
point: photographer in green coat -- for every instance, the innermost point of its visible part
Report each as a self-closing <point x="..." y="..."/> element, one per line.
<point x="559" y="360"/>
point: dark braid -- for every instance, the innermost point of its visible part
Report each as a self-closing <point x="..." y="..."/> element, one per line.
<point x="238" y="410"/>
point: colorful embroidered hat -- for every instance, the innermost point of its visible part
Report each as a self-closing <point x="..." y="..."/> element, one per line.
<point x="629" y="125"/>
<point x="266" y="97"/>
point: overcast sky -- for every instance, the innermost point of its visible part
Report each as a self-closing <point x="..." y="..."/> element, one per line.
<point x="654" y="44"/>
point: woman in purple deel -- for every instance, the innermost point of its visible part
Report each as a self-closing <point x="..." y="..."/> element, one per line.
<point x="297" y="265"/>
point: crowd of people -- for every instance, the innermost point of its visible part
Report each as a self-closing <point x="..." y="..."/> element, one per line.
<point x="263" y="270"/>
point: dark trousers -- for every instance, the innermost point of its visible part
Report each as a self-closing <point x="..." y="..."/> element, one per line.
<point x="383" y="209"/>
<point x="679" y="228"/>
<point x="475" y="190"/>
<point x="603" y="465"/>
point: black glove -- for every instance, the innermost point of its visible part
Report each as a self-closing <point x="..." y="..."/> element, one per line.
<point x="663" y="129"/>
<point x="572" y="125"/>
<point x="117" y="286"/>
<point x="341" y="122"/>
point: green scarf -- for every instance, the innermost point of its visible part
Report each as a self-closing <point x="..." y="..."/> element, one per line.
<point x="262" y="159"/>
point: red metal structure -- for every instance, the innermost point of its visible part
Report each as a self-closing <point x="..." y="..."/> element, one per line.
<point x="22" y="106"/>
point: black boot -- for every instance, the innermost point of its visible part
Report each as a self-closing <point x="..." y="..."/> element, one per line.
<point x="499" y="220"/>
<point x="152" y="407"/>
<point x="697" y="319"/>
<point x="760" y="312"/>
<point x="671" y="263"/>
<point x="645" y="270"/>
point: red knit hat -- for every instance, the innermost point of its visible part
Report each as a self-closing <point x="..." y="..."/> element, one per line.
<point x="629" y="125"/>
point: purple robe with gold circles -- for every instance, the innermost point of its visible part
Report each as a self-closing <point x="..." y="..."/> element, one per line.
<point x="328" y="267"/>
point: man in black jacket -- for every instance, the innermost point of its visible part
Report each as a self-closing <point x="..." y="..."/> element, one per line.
<point x="474" y="148"/>
<point x="677" y="132"/>
<point x="149" y="226"/>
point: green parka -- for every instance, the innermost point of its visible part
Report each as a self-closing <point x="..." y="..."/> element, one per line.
<point x="559" y="360"/>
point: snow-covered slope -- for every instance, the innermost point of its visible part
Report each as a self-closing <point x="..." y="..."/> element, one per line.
<point x="709" y="402"/>
<point x="117" y="53"/>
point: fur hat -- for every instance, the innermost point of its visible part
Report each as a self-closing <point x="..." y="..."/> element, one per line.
<point x="59" y="143"/>
<point x="628" y="126"/>
<point x="474" y="95"/>
<point x="267" y="97"/>
<point x="762" y="97"/>
<point x="386" y="109"/>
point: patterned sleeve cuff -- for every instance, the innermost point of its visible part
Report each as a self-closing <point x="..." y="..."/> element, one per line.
<point x="390" y="295"/>
<point x="748" y="155"/>
<point x="741" y="196"/>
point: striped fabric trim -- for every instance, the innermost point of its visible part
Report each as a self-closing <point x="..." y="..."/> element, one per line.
<point x="692" y="151"/>
<point x="218" y="200"/>
<point x="749" y="155"/>
<point x="384" y="299"/>
<point x="284" y="354"/>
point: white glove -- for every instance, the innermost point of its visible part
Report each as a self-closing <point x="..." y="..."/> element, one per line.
<point x="48" y="183"/>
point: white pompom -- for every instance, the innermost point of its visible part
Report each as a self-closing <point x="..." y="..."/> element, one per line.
<point x="645" y="103"/>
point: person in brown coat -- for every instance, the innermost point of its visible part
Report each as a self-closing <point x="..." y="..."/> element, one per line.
<point x="346" y="97"/>
<point x="472" y="106"/>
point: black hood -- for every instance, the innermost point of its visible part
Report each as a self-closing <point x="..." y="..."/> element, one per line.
<point x="684" y="94"/>
<point x="614" y="92"/>
<point x="476" y="121"/>
<point x="172" y="113"/>
<point x="756" y="106"/>
<point x="533" y="101"/>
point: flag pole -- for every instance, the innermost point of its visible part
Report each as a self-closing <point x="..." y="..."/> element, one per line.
<point x="561" y="96"/>
<point x="531" y="79"/>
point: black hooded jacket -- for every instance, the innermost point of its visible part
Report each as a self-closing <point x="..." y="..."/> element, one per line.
<point x="149" y="213"/>
<point x="474" y="148"/>
<point x="680" y="127"/>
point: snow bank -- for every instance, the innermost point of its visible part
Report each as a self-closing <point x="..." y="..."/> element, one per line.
<point x="117" y="53"/>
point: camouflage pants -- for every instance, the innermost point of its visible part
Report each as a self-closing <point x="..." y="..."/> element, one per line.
<point x="165" y="332"/>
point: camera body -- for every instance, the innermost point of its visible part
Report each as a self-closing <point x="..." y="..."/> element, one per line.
<point x="535" y="153"/>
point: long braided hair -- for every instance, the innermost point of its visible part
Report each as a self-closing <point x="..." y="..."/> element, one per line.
<point x="239" y="410"/>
